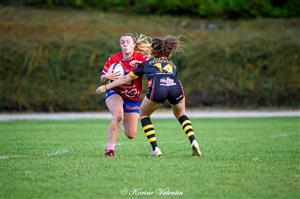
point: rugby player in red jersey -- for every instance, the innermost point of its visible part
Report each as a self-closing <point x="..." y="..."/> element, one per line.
<point x="124" y="101"/>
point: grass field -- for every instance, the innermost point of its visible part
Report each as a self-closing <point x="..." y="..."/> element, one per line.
<point x="242" y="158"/>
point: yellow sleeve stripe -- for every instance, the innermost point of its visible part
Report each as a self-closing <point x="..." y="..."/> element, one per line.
<point x="134" y="76"/>
<point x="150" y="132"/>
<point x="188" y="127"/>
<point x="152" y="139"/>
<point x="185" y="122"/>
<point x="190" y="133"/>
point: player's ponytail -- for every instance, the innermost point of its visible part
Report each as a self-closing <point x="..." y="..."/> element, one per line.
<point x="143" y="44"/>
<point x="163" y="47"/>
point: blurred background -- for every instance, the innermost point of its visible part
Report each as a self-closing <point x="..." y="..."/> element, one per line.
<point x="242" y="54"/>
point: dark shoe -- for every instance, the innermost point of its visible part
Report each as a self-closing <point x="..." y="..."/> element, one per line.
<point x="110" y="153"/>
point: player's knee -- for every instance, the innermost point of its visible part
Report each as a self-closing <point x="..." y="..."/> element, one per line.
<point x="130" y="134"/>
<point x="118" y="116"/>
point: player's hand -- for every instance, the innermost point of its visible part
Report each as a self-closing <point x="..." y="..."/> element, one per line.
<point x="116" y="75"/>
<point x="113" y="75"/>
<point x="101" y="89"/>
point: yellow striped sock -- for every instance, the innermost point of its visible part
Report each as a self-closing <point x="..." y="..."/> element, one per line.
<point x="149" y="131"/>
<point x="187" y="127"/>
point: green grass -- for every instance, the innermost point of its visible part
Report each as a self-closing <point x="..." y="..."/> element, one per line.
<point x="242" y="158"/>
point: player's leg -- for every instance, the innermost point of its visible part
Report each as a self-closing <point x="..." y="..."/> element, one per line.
<point x="130" y="124"/>
<point x="114" y="104"/>
<point x="179" y="112"/>
<point x="177" y="100"/>
<point x="147" y="108"/>
<point x="131" y="117"/>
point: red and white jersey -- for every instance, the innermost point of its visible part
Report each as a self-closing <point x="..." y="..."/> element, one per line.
<point x="133" y="89"/>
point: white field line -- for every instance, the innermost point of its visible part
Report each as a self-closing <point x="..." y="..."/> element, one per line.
<point x="5" y="157"/>
<point x="57" y="152"/>
<point x="159" y="114"/>
<point x="279" y="135"/>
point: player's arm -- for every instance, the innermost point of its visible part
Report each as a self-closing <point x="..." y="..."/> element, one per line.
<point x="139" y="71"/>
<point x="120" y="81"/>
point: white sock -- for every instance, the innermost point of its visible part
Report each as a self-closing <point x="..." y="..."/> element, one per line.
<point x="110" y="146"/>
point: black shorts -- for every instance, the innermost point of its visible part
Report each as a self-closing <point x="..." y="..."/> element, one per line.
<point x="162" y="87"/>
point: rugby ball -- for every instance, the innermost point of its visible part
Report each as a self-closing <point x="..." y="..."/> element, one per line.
<point x="116" y="67"/>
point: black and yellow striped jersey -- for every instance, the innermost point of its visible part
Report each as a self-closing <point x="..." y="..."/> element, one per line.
<point x="153" y="67"/>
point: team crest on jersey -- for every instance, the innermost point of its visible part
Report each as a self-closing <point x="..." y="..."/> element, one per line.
<point x="134" y="63"/>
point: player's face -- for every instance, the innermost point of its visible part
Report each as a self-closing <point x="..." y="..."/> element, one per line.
<point x="127" y="45"/>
